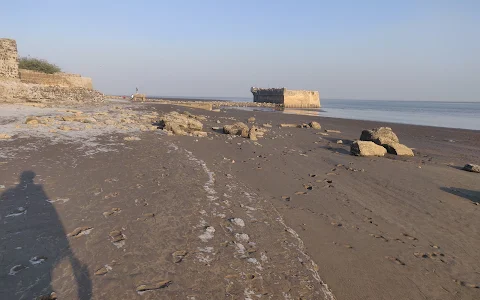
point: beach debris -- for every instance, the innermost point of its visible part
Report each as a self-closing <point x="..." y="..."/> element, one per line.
<point x="367" y="148"/>
<point x="238" y="128"/>
<point x="179" y="255"/>
<point x="332" y="131"/>
<point x="180" y="124"/>
<point x="472" y="168"/>
<point x="315" y="125"/>
<point x="79" y="231"/>
<point x="267" y="125"/>
<point x="132" y="138"/>
<point x="4" y="136"/>
<point x="154" y="286"/>
<point x="251" y="120"/>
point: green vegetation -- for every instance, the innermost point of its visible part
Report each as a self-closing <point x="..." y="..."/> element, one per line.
<point x="39" y="65"/>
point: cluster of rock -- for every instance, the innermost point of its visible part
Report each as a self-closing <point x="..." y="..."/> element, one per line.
<point x="244" y="131"/>
<point x="379" y="141"/>
<point x="182" y="124"/>
<point x="77" y="120"/>
<point x="12" y="91"/>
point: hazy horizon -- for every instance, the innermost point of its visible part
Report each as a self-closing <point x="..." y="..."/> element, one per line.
<point x="371" y="50"/>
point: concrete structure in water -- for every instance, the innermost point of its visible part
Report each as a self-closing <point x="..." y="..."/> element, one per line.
<point x="287" y="98"/>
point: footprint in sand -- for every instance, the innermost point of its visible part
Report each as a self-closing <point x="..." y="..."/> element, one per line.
<point x="79" y="231"/>
<point x="103" y="270"/>
<point x="308" y="187"/>
<point x="179" y="255"/>
<point x="118" y="238"/>
<point x="395" y="260"/>
<point x="467" y="284"/>
<point x="111" y="195"/>
<point x="113" y="211"/>
<point x="409" y="237"/>
<point x="377" y="236"/>
<point x="300" y="193"/>
<point x="154" y="286"/>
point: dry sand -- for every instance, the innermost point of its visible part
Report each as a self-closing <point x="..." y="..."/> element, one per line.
<point x="290" y="216"/>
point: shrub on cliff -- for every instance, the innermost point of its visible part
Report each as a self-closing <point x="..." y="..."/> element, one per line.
<point x="39" y="65"/>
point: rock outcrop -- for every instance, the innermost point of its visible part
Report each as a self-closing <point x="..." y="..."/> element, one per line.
<point x="180" y="124"/>
<point x="367" y="148"/>
<point x="238" y="128"/>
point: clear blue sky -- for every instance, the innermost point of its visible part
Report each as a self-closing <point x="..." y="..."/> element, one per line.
<point x="400" y="50"/>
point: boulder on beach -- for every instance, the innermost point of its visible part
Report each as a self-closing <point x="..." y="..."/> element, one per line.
<point x="315" y="125"/>
<point x="238" y="128"/>
<point x="472" y="168"/>
<point x="179" y="124"/>
<point x="380" y="136"/>
<point x="367" y="148"/>
<point x="398" y="149"/>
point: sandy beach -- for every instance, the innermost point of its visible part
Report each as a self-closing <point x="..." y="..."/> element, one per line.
<point x="126" y="211"/>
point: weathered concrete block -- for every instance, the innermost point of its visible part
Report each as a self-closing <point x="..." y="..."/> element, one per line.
<point x="287" y="98"/>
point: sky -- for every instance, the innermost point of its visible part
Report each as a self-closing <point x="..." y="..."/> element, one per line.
<point x="376" y="50"/>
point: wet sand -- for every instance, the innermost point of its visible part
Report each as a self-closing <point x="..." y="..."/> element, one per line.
<point x="292" y="216"/>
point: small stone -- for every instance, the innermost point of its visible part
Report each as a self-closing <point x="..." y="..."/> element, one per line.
<point x="472" y="168"/>
<point x="4" y="136"/>
<point x="266" y="125"/>
<point x="237" y="221"/>
<point x="132" y="138"/>
<point x="289" y="125"/>
<point x="332" y="131"/>
<point x="315" y="125"/>
<point x="339" y="142"/>
<point x="251" y="119"/>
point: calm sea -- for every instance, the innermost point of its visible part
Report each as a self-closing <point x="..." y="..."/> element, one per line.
<point x="441" y="114"/>
<point x="464" y="115"/>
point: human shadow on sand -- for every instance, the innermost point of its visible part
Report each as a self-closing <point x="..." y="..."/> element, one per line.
<point x="32" y="243"/>
<point x="473" y="196"/>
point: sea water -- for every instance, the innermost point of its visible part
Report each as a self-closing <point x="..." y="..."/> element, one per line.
<point x="464" y="115"/>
